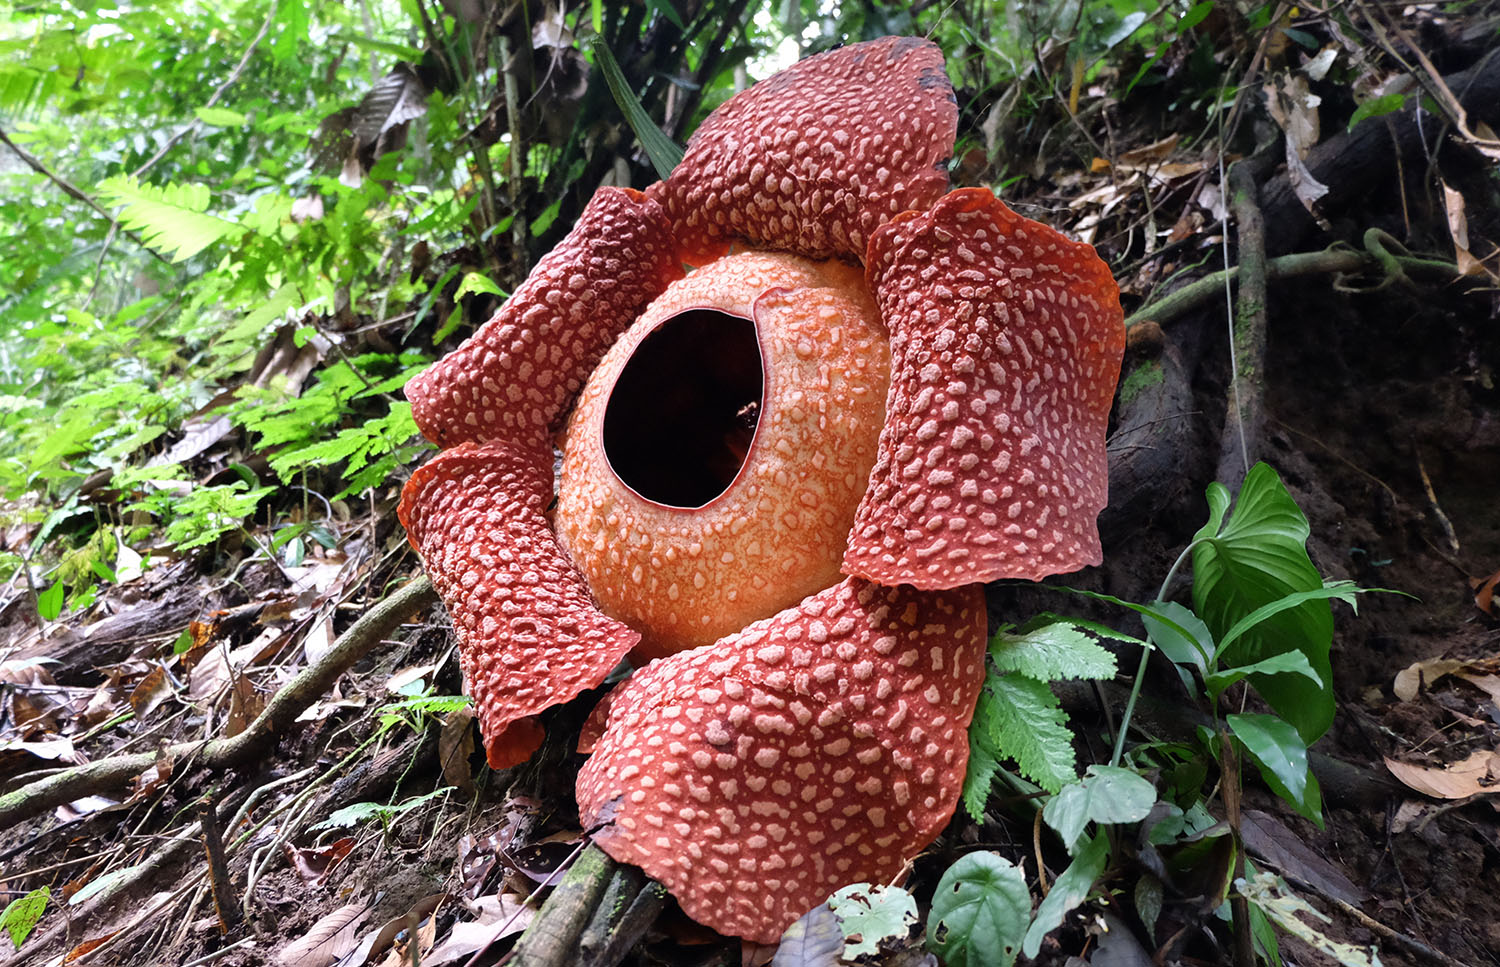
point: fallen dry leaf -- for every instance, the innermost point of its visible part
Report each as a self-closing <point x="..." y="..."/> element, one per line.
<point x="1411" y="679"/>
<point x="499" y="916"/>
<point x="314" y="865"/>
<point x="327" y="940"/>
<point x="1474" y="775"/>
<point x="455" y="746"/>
<point x="1484" y="593"/>
<point x="1294" y="108"/>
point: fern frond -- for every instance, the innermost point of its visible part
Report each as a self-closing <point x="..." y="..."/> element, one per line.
<point x="171" y="219"/>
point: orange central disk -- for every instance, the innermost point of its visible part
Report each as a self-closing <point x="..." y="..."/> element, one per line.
<point x="714" y="462"/>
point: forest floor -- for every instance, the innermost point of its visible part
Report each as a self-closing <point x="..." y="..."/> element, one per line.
<point x="365" y="827"/>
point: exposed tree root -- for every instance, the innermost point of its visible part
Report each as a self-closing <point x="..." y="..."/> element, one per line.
<point x="281" y="711"/>
<point x="1245" y="416"/>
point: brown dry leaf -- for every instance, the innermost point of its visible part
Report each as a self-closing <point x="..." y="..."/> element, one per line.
<point x="378" y="941"/>
<point x="246" y="702"/>
<point x="406" y="676"/>
<point x="1411" y="679"/>
<point x="148" y="782"/>
<point x="1294" y="108"/>
<point x="1458" y="228"/>
<point x="500" y="915"/>
<point x="209" y="675"/>
<point x="314" y="865"/>
<point x="327" y="940"/>
<point x="33" y="701"/>
<point x="1409" y="813"/>
<point x="150" y="692"/>
<point x="1490" y="684"/>
<point x="1484" y="593"/>
<point x="455" y="746"/>
<point x="319" y="638"/>
<point x="1474" y="775"/>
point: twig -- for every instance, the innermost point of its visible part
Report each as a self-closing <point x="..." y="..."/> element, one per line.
<point x="552" y="937"/>
<point x="1239" y="905"/>
<point x="280" y="712"/>
<point x="218" y="868"/>
<point x="73" y="191"/>
<point x="1437" y="509"/>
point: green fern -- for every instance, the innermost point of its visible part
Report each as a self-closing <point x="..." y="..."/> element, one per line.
<point x="171" y="219"/>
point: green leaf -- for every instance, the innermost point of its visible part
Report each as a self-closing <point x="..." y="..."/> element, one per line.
<point x="1106" y="794"/>
<point x="979" y="778"/>
<point x="1289" y="662"/>
<point x="220" y="117"/>
<point x="170" y="219"/>
<point x="21" y="914"/>
<point x="359" y="812"/>
<point x="478" y="282"/>
<point x="663" y="152"/>
<point x="872" y="913"/>
<point x="1255" y="558"/>
<point x="1376" y="107"/>
<point x="1271" y="895"/>
<point x="1061" y="650"/>
<point x="1345" y="591"/>
<point x="1070" y="889"/>
<point x="979" y="912"/>
<point x="1020" y="718"/>
<point x="49" y="602"/>
<point x="1184" y="639"/>
<point x="1281" y="756"/>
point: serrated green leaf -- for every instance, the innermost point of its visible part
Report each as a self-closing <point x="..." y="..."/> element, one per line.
<point x="1106" y="794"/>
<point x="1019" y="718"/>
<point x="21" y="914"/>
<point x="1069" y="890"/>
<point x="979" y="778"/>
<point x="1062" y="650"/>
<point x="979" y="912"/>
<point x="1281" y="756"/>
<point x="663" y="152"/>
<point x="1256" y="558"/>
<point x="170" y="218"/>
<point x="872" y="913"/>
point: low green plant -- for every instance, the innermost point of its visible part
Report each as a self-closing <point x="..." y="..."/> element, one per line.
<point x="1260" y="616"/>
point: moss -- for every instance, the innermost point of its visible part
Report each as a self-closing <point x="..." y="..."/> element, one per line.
<point x="1142" y="377"/>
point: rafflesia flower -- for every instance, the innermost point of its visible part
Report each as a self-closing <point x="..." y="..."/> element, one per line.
<point x="800" y="460"/>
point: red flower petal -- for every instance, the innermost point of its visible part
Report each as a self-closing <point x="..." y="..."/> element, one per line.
<point x="1006" y="340"/>
<point x="514" y="378"/>
<point x="529" y="635"/>
<point x="821" y="747"/>
<point x="685" y="576"/>
<point x="813" y="158"/>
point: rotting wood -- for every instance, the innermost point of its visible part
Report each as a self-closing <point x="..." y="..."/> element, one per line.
<point x="630" y="905"/>
<point x="1245" y="412"/>
<point x="280" y="712"/>
<point x="552" y="937"/>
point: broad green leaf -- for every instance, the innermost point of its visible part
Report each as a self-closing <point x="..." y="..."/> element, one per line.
<point x="1185" y="640"/>
<point x="1020" y="718"/>
<point x="1281" y="756"/>
<point x="1070" y="889"/>
<point x="1106" y="794"/>
<point x="1345" y="591"/>
<point x="22" y="914"/>
<point x="1060" y="650"/>
<point x="979" y="912"/>
<point x="1157" y="611"/>
<point x="49" y="602"/>
<point x="220" y="117"/>
<point x="663" y="152"/>
<point x="1376" y="107"/>
<point x="170" y="219"/>
<point x="872" y="913"/>
<point x="1255" y="558"/>
<point x="1288" y="662"/>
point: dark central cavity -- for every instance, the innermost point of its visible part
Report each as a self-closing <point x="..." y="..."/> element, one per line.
<point x="680" y="419"/>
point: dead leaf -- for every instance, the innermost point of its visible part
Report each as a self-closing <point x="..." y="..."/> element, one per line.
<point x="1458" y="229"/>
<point x="1484" y="593"/>
<point x="499" y="916"/>
<point x="315" y="865"/>
<point x="150" y="692"/>
<point x="319" y="639"/>
<point x="148" y="782"/>
<point x="1409" y="813"/>
<point x="406" y="676"/>
<point x="1294" y="108"/>
<point x="1411" y="679"/>
<point x="455" y="747"/>
<point x="1490" y="684"/>
<point x="1474" y="775"/>
<point x="246" y="702"/>
<point x="326" y="941"/>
